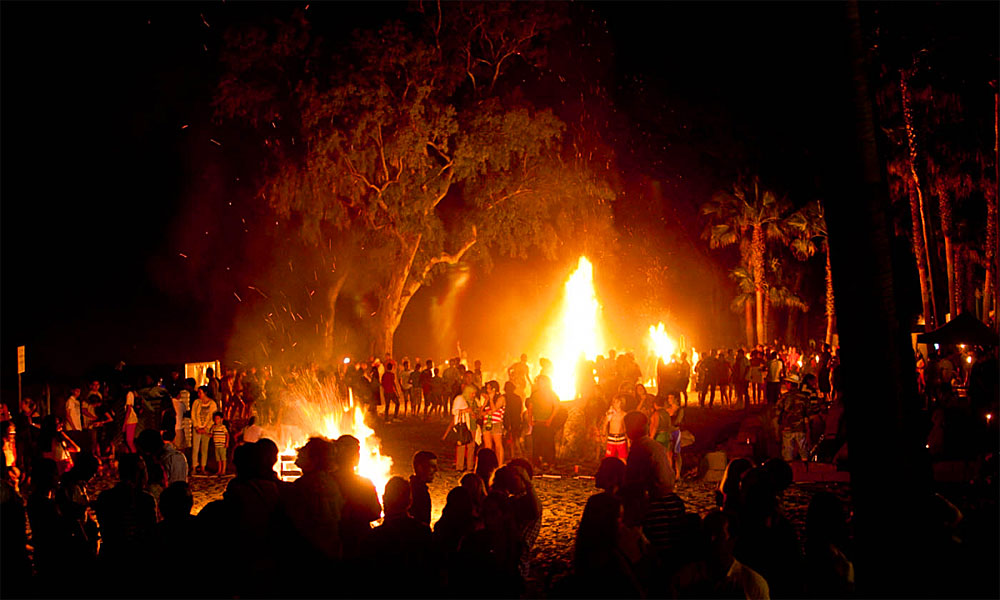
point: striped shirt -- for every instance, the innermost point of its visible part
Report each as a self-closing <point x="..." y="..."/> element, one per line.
<point x="220" y="435"/>
<point x="664" y="525"/>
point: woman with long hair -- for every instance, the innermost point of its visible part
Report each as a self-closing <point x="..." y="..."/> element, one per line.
<point x="131" y="420"/>
<point x="493" y="416"/>
<point x="54" y="444"/>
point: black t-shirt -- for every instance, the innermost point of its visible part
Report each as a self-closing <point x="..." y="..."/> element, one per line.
<point x="512" y="412"/>
<point x="420" y="500"/>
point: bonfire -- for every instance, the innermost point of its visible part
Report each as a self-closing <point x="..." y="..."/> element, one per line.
<point x="310" y="409"/>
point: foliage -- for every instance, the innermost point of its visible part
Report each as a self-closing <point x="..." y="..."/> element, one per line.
<point x="404" y="150"/>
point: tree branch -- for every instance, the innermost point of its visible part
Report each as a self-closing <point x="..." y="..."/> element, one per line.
<point x="451" y="259"/>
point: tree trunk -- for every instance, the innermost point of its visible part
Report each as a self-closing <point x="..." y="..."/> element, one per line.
<point x="830" y="307"/>
<point x="884" y="437"/>
<point x="918" y="211"/>
<point x="749" y="323"/>
<point x="767" y="315"/>
<point x="757" y="260"/>
<point x="926" y="291"/>
<point x="959" y="275"/>
<point x="944" y="207"/>
<point x="790" y="323"/>
<point x="990" y="284"/>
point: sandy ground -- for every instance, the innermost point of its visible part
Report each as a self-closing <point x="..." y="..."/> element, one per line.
<point x="563" y="494"/>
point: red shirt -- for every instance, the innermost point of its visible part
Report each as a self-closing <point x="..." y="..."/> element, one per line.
<point x="389" y="383"/>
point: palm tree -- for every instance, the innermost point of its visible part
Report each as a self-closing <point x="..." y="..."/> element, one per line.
<point x="745" y="299"/>
<point x="808" y="226"/>
<point x="778" y="296"/>
<point x="749" y="216"/>
<point x="917" y="192"/>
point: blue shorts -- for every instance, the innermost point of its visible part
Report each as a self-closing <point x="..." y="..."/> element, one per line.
<point x="675" y="438"/>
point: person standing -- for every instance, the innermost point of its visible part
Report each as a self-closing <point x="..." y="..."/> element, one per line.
<point x="74" y="417"/>
<point x="757" y="365"/>
<point x="201" y="421"/>
<point x="493" y="419"/>
<point x="774" y="370"/>
<point x="684" y="377"/>
<point x="512" y="419"/>
<point x="426" y="380"/>
<point x="220" y="442"/>
<point x="130" y="422"/>
<point x="793" y="420"/>
<point x="542" y="407"/>
<point x="614" y="430"/>
<point x="406" y="387"/>
<point x="424" y="468"/>
<point x="212" y="383"/>
<point x="462" y="413"/>
<point x="741" y="375"/>
<point x="518" y="374"/>
<point x="390" y="391"/>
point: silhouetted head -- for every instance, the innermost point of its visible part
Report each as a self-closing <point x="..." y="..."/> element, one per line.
<point x="477" y="489"/>
<point x="132" y="470"/>
<point x="149" y="442"/>
<point x="316" y="456"/>
<point x="524" y="464"/>
<point x="176" y="501"/>
<point x="597" y="534"/>
<point x="729" y="486"/>
<point x="425" y="465"/>
<point x="246" y="460"/>
<point x="486" y="464"/>
<point x="636" y="425"/>
<point x="348" y="452"/>
<point x="266" y="452"/>
<point x="610" y="475"/>
<point x="396" y="497"/>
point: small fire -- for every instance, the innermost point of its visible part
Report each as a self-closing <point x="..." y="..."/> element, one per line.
<point x="662" y="345"/>
<point x="308" y="409"/>
<point x="577" y="332"/>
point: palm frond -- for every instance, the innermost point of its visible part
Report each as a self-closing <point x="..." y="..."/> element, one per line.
<point x="738" y="304"/>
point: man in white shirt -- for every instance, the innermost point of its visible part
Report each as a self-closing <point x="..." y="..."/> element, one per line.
<point x="74" y="418"/>
<point x="407" y="387"/>
<point x="73" y="425"/>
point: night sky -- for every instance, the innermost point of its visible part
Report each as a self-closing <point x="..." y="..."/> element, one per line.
<point x="104" y="187"/>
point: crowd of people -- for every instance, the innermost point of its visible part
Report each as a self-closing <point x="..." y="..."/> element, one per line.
<point x="329" y="529"/>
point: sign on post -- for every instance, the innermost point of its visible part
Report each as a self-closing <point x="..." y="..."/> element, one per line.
<point x="20" y="360"/>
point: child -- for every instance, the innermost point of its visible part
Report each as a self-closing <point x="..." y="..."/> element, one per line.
<point x="676" y="412"/>
<point x="220" y="441"/>
<point x="614" y="426"/>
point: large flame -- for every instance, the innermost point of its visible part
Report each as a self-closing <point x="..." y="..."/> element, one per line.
<point x="660" y="342"/>
<point x="577" y="331"/>
<point x="309" y="408"/>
